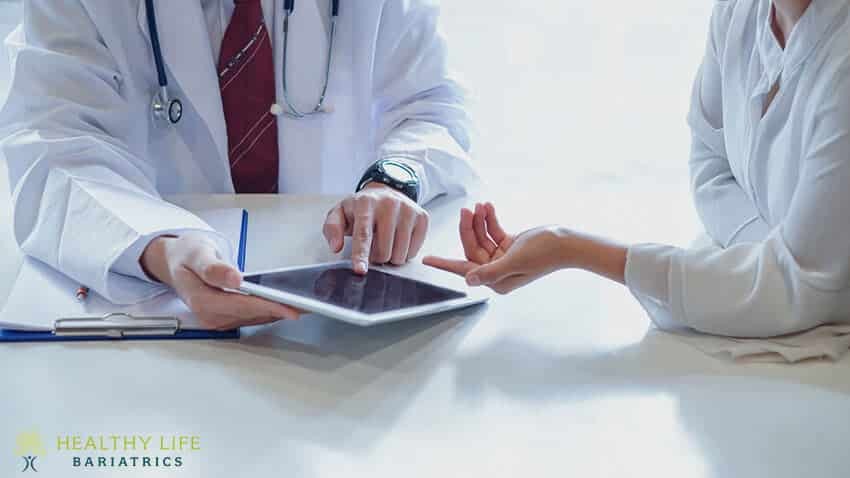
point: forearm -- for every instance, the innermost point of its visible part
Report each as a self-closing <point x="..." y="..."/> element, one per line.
<point x="594" y="254"/>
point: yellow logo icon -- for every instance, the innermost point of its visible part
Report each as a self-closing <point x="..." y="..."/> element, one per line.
<point x="29" y="443"/>
<point x="28" y="446"/>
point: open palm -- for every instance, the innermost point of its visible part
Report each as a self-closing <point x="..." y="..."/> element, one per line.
<point x="483" y="238"/>
<point x="504" y="262"/>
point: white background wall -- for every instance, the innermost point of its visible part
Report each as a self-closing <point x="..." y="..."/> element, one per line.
<point x="580" y="110"/>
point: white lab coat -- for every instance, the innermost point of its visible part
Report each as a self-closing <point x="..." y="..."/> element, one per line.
<point x="772" y="187"/>
<point x="88" y="166"/>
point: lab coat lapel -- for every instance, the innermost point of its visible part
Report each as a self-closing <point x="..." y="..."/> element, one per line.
<point x="189" y="60"/>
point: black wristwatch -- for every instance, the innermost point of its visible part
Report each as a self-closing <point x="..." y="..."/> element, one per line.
<point x="394" y="174"/>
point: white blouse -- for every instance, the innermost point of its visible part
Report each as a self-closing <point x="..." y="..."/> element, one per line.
<point x="772" y="188"/>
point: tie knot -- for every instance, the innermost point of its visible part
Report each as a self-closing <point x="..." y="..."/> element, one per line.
<point x="245" y="2"/>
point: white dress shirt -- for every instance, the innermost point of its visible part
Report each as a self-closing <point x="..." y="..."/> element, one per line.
<point x="771" y="187"/>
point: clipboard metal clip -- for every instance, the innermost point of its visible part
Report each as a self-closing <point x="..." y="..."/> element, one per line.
<point x="116" y="325"/>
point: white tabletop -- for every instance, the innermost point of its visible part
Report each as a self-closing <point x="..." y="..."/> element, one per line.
<point x="561" y="379"/>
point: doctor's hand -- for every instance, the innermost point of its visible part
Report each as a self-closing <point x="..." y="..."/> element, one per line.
<point x="503" y="261"/>
<point x="193" y="267"/>
<point x="384" y="224"/>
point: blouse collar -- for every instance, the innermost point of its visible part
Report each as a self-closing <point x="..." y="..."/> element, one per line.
<point x="805" y="37"/>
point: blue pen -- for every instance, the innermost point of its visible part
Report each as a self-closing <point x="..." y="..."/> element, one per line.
<point x="243" y="242"/>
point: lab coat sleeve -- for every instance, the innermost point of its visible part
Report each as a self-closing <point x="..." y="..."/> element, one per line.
<point x="129" y="262"/>
<point x="81" y="197"/>
<point x="422" y="109"/>
<point x="728" y="214"/>
<point x="795" y="279"/>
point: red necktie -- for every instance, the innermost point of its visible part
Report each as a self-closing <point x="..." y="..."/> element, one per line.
<point x="247" y="81"/>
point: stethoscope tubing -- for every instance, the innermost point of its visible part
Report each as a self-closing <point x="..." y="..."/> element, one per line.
<point x="157" y="49"/>
<point x="294" y="112"/>
<point x="163" y="103"/>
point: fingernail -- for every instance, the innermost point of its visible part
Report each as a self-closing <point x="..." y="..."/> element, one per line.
<point x="361" y="267"/>
<point x="473" y="280"/>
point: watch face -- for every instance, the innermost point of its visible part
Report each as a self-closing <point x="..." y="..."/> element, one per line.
<point x="398" y="172"/>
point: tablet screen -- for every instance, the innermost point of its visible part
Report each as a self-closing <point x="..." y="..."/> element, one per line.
<point x="370" y="294"/>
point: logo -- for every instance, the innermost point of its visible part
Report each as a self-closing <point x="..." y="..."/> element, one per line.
<point x="117" y="452"/>
<point x="29" y="447"/>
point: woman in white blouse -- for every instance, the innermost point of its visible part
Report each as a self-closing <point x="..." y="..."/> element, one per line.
<point x="770" y="170"/>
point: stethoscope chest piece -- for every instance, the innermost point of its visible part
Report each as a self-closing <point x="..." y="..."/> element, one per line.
<point x="175" y="111"/>
<point x="166" y="111"/>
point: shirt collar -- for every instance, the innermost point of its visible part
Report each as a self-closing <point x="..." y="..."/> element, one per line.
<point x="226" y="11"/>
<point x="804" y="38"/>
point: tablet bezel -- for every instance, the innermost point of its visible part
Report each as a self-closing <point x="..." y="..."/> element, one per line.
<point x="353" y="316"/>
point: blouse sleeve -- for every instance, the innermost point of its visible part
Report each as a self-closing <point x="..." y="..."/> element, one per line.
<point x="795" y="279"/>
<point x="728" y="214"/>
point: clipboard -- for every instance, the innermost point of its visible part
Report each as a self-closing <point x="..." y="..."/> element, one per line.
<point x="108" y="328"/>
<point x="124" y="326"/>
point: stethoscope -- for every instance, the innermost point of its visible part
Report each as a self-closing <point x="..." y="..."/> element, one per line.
<point x="169" y="111"/>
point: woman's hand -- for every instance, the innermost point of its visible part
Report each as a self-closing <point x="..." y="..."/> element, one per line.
<point x="505" y="262"/>
<point x="502" y="261"/>
<point x="192" y="266"/>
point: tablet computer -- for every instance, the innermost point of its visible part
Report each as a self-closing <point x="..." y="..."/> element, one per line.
<point x="335" y="291"/>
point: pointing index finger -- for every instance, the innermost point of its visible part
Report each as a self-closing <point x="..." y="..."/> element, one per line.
<point x="362" y="232"/>
<point x="455" y="266"/>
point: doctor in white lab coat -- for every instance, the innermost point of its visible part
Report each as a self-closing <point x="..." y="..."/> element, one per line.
<point x="88" y="165"/>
